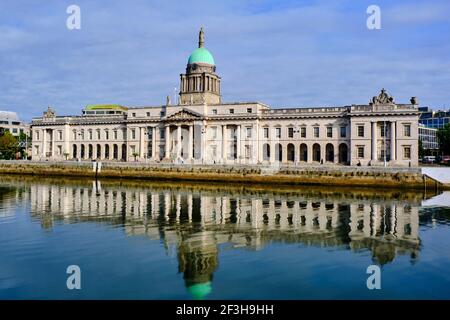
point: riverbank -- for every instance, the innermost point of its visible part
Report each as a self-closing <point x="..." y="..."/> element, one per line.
<point x="377" y="177"/>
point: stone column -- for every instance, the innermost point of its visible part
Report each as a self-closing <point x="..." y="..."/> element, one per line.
<point x="238" y="143"/>
<point x="94" y="150"/>
<point x="153" y="155"/>
<point x="53" y="143"/>
<point x="374" y="141"/>
<point x="257" y="145"/>
<point x="203" y="149"/>
<point x="141" y="143"/>
<point x="167" y="151"/>
<point x="44" y="142"/>
<point x="224" y="143"/>
<point x="393" y="141"/>
<point x="191" y="142"/>
<point x="309" y="153"/>
<point x="272" y="146"/>
<point x="67" y="141"/>
<point x="336" y="153"/>
<point x="178" y="141"/>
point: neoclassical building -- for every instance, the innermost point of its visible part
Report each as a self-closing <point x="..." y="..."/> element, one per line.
<point x="202" y="129"/>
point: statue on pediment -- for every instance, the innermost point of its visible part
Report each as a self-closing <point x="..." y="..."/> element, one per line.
<point x="50" y="113"/>
<point x="383" y="98"/>
<point x="182" y="115"/>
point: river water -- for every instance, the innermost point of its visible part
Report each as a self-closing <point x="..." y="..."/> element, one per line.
<point x="160" y="240"/>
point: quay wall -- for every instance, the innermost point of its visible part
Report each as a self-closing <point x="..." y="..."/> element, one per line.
<point x="379" y="177"/>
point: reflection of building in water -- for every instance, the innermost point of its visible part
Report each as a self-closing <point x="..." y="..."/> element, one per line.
<point x="196" y="222"/>
<point x="10" y="199"/>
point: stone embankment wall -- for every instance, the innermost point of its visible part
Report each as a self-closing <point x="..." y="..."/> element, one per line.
<point x="408" y="178"/>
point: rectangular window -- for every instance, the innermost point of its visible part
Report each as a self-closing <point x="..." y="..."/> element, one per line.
<point x="329" y="132"/>
<point x="290" y="132"/>
<point x="316" y="132"/>
<point x="343" y="132"/>
<point x="361" y="152"/>
<point x="133" y="134"/>
<point x="303" y="132"/>
<point x="278" y="132"/>
<point x="249" y="132"/>
<point x="133" y="115"/>
<point x="59" y="150"/>
<point x="60" y="135"/>
<point x="407" y="152"/>
<point x="14" y="130"/>
<point x="214" y="111"/>
<point x="162" y="133"/>
<point x="162" y="113"/>
<point x="249" y="110"/>
<point x="74" y="134"/>
<point x="98" y="134"/>
<point x="115" y="135"/>
<point x="360" y="131"/>
<point x="90" y="134"/>
<point x="148" y="114"/>
<point x="106" y="134"/>
<point x="266" y="133"/>
<point x="382" y="130"/>
<point x="248" y="151"/>
<point x="407" y="130"/>
<point x="231" y="111"/>
<point x="214" y="132"/>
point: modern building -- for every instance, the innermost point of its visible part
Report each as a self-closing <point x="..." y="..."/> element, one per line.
<point x="202" y="128"/>
<point x="433" y="119"/>
<point x="9" y="121"/>
<point x="428" y="137"/>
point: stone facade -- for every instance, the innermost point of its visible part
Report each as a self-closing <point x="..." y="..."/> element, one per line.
<point x="201" y="129"/>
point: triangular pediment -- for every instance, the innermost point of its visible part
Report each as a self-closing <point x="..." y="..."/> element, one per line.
<point x="184" y="114"/>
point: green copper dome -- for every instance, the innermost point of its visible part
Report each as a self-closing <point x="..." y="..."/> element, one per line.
<point x="201" y="55"/>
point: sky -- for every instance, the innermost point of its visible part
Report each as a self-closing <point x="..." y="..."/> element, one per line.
<point x="282" y="53"/>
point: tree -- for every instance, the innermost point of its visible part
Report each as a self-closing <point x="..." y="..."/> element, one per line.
<point x="421" y="149"/>
<point x="9" y="146"/>
<point x="443" y="136"/>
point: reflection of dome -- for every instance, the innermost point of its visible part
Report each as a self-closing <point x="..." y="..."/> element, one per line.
<point x="198" y="259"/>
<point x="200" y="290"/>
<point x="201" y="55"/>
<point x="383" y="252"/>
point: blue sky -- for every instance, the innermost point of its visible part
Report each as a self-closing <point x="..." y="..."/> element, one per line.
<point x="283" y="53"/>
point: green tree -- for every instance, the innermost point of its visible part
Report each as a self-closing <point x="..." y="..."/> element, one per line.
<point x="443" y="136"/>
<point x="421" y="149"/>
<point x="9" y="146"/>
